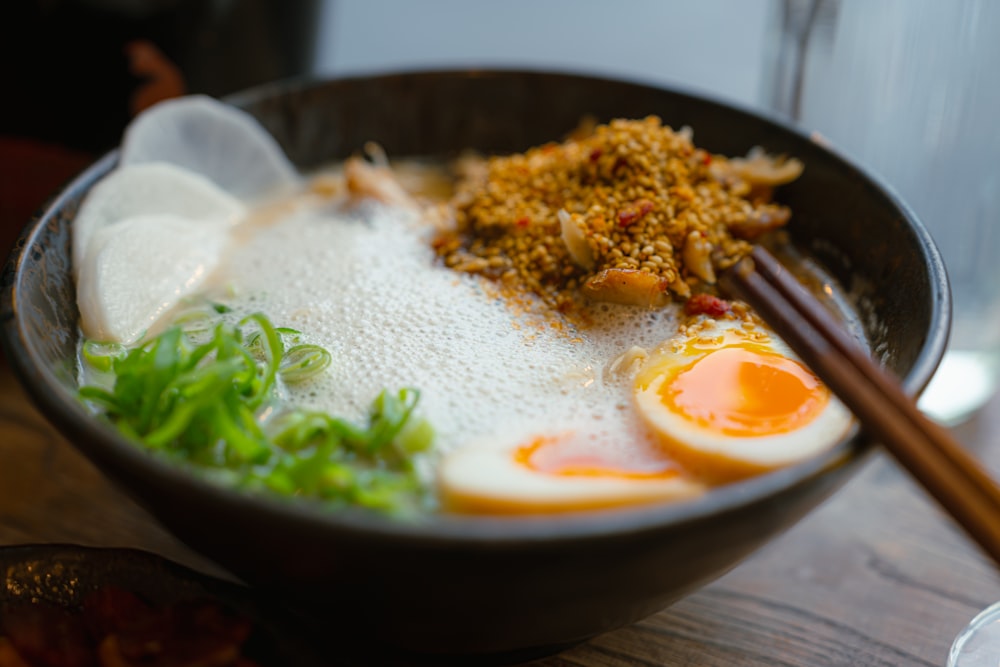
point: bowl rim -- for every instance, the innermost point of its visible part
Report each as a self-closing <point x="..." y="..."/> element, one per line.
<point x="61" y="407"/>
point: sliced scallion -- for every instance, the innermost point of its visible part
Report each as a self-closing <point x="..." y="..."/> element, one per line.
<point x="101" y="356"/>
<point x="302" y="362"/>
<point x="206" y="395"/>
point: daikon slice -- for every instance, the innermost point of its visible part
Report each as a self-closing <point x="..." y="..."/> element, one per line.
<point x="145" y="190"/>
<point x="139" y="269"/>
<point x="223" y="143"/>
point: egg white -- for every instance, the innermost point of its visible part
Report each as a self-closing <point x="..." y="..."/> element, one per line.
<point x="489" y="478"/>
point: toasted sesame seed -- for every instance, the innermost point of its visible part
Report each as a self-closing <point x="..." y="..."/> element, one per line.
<point x="639" y="190"/>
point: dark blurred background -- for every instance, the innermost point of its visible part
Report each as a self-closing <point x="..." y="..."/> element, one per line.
<point x="906" y="87"/>
<point x="75" y="71"/>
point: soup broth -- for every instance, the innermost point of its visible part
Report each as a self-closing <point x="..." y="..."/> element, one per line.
<point x="539" y="401"/>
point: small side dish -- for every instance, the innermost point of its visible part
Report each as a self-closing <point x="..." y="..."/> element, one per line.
<point x="70" y="606"/>
<point x="116" y="628"/>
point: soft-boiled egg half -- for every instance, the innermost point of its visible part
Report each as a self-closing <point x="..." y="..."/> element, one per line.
<point x="729" y="399"/>
<point x="560" y="472"/>
<point x="719" y="401"/>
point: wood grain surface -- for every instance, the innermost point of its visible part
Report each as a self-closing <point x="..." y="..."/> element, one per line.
<point x="876" y="576"/>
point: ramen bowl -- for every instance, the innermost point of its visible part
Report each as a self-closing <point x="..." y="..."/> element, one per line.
<point x="510" y="588"/>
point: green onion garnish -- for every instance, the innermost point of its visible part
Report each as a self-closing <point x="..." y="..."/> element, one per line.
<point x="303" y="361"/>
<point x="100" y="356"/>
<point x="207" y="395"/>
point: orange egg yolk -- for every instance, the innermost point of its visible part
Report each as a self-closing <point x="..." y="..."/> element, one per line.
<point x="741" y="391"/>
<point x="561" y="455"/>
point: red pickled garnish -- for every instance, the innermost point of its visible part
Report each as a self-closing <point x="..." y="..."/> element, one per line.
<point x="706" y="159"/>
<point x="523" y="221"/>
<point x="109" y="609"/>
<point x="116" y="627"/>
<point x="47" y="634"/>
<point x="596" y="154"/>
<point x="186" y="634"/>
<point x="706" y="304"/>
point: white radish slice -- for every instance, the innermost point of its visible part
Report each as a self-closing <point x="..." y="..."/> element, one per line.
<point x="223" y="143"/>
<point x="146" y="189"/>
<point x="137" y="270"/>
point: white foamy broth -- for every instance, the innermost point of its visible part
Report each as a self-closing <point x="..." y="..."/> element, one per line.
<point x="364" y="283"/>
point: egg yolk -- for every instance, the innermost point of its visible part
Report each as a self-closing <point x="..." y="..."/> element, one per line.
<point x="557" y="455"/>
<point x="741" y="391"/>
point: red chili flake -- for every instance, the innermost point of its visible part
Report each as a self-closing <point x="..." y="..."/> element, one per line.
<point x="523" y="221"/>
<point x="632" y="212"/>
<point x="627" y="216"/>
<point x="444" y="242"/>
<point x="706" y="304"/>
<point x="706" y="159"/>
<point x="596" y="154"/>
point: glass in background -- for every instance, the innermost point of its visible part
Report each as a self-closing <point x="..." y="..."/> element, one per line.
<point x="707" y="46"/>
<point x="911" y="90"/>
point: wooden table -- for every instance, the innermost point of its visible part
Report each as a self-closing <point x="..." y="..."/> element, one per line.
<point x="876" y="576"/>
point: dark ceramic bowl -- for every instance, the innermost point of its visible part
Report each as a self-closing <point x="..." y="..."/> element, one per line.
<point x="520" y="587"/>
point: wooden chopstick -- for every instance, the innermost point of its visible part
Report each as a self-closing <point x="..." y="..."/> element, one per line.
<point x="926" y="449"/>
